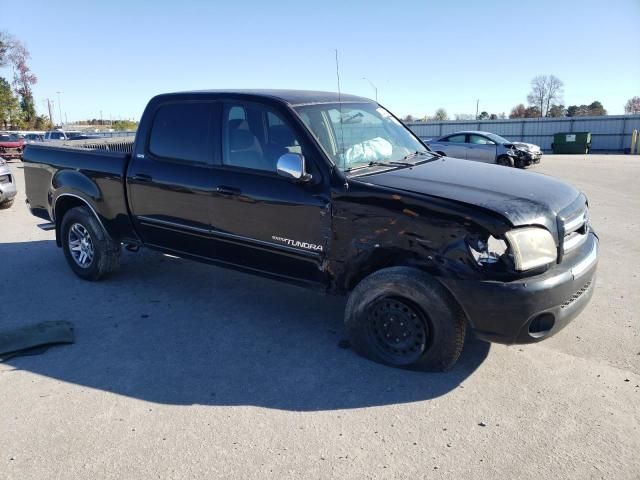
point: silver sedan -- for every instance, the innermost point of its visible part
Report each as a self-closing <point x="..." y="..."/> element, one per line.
<point x="486" y="147"/>
<point x="7" y="185"/>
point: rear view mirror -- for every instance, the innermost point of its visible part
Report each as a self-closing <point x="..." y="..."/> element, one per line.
<point x="291" y="165"/>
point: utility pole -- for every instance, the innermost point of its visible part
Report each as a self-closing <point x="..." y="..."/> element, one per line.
<point x="101" y="123"/>
<point x="50" y="113"/>
<point x="373" y="86"/>
<point x="60" y="108"/>
<point x="477" y="105"/>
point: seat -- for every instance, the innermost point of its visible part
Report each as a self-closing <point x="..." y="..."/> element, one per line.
<point x="244" y="147"/>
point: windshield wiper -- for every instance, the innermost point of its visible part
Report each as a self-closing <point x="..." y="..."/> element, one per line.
<point x="418" y="153"/>
<point x="380" y="164"/>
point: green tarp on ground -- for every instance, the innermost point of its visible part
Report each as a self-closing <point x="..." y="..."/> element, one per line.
<point x="34" y="339"/>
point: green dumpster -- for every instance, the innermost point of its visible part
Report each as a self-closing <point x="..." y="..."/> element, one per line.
<point x="574" y="142"/>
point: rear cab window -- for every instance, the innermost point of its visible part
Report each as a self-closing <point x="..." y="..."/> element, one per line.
<point x="183" y="132"/>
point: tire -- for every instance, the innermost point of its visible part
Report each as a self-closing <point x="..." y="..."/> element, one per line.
<point x="81" y="230"/>
<point x="6" y="204"/>
<point x="519" y="163"/>
<point x="405" y="303"/>
<point x="505" y="161"/>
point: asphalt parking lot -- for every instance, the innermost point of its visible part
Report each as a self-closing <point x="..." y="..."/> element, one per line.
<point x="182" y="370"/>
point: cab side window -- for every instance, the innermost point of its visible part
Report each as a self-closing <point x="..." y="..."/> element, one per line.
<point x="480" y="140"/>
<point x="254" y="137"/>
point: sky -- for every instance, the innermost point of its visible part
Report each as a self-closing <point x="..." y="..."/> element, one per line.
<point x="113" y="56"/>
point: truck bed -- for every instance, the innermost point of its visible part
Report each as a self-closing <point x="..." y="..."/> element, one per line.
<point x="96" y="175"/>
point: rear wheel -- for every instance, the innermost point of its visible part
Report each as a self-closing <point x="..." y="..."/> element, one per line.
<point x="402" y="317"/>
<point x="89" y="251"/>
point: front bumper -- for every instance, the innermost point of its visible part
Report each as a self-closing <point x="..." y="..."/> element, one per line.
<point x="530" y="309"/>
<point x="531" y="158"/>
<point x="10" y="153"/>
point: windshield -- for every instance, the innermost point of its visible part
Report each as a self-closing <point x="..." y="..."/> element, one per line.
<point x="357" y="135"/>
<point x="497" y="138"/>
<point x="6" y="137"/>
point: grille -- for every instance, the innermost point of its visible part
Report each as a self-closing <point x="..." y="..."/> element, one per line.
<point x="576" y="229"/>
<point x="576" y="295"/>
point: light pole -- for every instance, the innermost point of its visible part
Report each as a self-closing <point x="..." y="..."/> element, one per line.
<point x="59" y="108"/>
<point x="373" y="86"/>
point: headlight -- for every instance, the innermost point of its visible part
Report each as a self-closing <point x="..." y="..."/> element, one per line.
<point x="531" y="247"/>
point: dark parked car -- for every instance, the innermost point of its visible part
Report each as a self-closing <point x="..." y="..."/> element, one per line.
<point x="330" y="192"/>
<point x="487" y="147"/>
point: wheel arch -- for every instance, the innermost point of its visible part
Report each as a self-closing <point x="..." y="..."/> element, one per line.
<point x="65" y="202"/>
<point x="370" y="261"/>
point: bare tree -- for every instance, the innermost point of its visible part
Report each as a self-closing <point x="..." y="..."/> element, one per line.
<point x="632" y="106"/>
<point x="518" y="111"/>
<point x="441" y="114"/>
<point x="6" y="42"/>
<point x="545" y="90"/>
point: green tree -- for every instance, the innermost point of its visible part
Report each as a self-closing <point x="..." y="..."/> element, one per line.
<point x="483" y="116"/>
<point x="42" y="122"/>
<point x="557" y="111"/>
<point x="596" y="108"/>
<point x="532" y="112"/>
<point x="9" y="107"/>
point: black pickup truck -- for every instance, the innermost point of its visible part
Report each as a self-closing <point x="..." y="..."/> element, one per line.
<point x="330" y="191"/>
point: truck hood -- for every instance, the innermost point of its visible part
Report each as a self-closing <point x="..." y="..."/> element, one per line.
<point x="523" y="198"/>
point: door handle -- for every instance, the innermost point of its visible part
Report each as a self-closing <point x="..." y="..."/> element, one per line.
<point x="142" y="178"/>
<point x="224" y="190"/>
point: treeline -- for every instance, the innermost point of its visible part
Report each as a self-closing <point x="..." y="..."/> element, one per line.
<point x="544" y="100"/>
<point x="594" y="108"/>
<point x="119" y="125"/>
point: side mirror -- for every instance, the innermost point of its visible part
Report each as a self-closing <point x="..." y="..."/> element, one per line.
<point x="291" y="165"/>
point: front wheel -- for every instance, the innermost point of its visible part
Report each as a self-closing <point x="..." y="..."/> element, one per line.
<point x="6" y="204"/>
<point x="89" y="250"/>
<point x="505" y="161"/>
<point x="402" y="317"/>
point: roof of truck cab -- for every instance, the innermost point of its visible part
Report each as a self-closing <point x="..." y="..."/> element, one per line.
<point x="291" y="97"/>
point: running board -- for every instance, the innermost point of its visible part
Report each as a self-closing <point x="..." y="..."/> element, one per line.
<point x="47" y="226"/>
